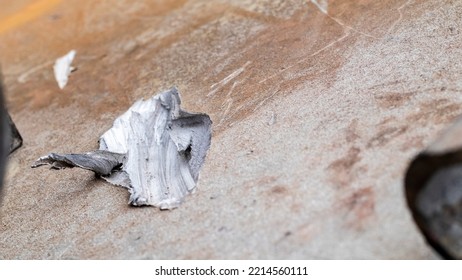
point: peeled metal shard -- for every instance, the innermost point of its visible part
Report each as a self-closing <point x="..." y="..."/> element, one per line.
<point x="155" y="149"/>
<point x="433" y="187"/>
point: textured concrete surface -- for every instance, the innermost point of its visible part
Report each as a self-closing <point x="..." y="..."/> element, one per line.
<point x="318" y="107"/>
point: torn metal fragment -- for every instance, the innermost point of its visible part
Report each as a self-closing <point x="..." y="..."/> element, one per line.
<point x="155" y="149"/>
<point x="63" y="68"/>
<point x="100" y="161"/>
<point x="433" y="187"/>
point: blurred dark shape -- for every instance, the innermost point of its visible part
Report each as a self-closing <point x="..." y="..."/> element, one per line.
<point x="433" y="187"/>
<point x="10" y="139"/>
<point x="15" y="138"/>
<point x="4" y="136"/>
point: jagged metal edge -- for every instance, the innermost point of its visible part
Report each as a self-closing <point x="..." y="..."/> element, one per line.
<point x="155" y="150"/>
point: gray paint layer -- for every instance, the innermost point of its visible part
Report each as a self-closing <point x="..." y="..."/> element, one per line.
<point x="155" y="150"/>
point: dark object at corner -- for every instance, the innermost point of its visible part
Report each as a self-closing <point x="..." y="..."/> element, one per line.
<point x="4" y="137"/>
<point x="422" y="169"/>
<point x="433" y="188"/>
<point x="15" y="138"/>
<point x="10" y="139"/>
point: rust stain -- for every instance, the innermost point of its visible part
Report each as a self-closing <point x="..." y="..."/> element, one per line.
<point x="435" y="111"/>
<point x="280" y="57"/>
<point x="266" y="180"/>
<point x="303" y="233"/>
<point x="269" y="186"/>
<point x="385" y="135"/>
<point x="279" y="190"/>
<point x="282" y="54"/>
<point x="351" y="132"/>
<point x="416" y="142"/>
<point x="393" y="99"/>
<point x="26" y="14"/>
<point x="359" y="206"/>
<point x="341" y="170"/>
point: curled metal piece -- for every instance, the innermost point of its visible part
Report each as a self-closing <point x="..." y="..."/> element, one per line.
<point x="155" y="150"/>
<point x="433" y="187"/>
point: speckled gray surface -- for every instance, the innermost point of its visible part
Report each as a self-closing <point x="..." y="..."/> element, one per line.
<point x="317" y="111"/>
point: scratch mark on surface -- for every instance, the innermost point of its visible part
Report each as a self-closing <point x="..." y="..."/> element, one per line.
<point x="215" y="87"/>
<point x="400" y="15"/>
<point x="308" y="57"/>
<point x="339" y="22"/>
<point x="227" y="103"/>
<point x="330" y="44"/>
<point x="23" y="77"/>
<point x="228" y="99"/>
<point x="266" y="99"/>
<point x="321" y="6"/>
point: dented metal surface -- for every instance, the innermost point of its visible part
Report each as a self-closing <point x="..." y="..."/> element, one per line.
<point x="433" y="188"/>
<point x="155" y="150"/>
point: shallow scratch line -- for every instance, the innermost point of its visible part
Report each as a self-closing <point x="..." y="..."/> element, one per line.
<point x="330" y="44"/>
<point x="339" y="22"/>
<point x="232" y="89"/>
<point x="228" y="102"/>
<point x="400" y="15"/>
<point x="225" y="81"/>
<point x="320" y="7"/>
<point x="23" y="77"/>
<point x="305" y="59"/>
<point x="266" y="99"/>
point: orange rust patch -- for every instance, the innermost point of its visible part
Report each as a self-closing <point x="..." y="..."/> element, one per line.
<point x="360" y="206"/>
<point x="341" y="169"/>
<point x="351" y="132"/>
<point x="385" y="135"/>
<point x="279" y="190"/>
<point x="435" y="111"/>
<point x="393" y="99"/>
